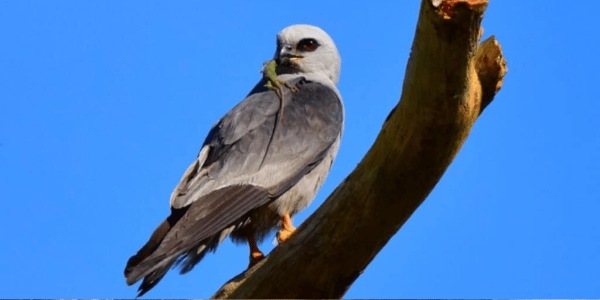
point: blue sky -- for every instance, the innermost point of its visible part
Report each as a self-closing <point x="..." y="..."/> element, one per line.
<point x="103" y="105"/>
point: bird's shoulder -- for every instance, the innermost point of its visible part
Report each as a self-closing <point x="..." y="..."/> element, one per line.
<point x="312" y="101"/>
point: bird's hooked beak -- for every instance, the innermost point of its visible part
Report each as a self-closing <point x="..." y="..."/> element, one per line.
<point x="287" y="56"/>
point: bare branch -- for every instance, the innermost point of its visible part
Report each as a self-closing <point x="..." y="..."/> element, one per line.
<point x="449" y="81"/>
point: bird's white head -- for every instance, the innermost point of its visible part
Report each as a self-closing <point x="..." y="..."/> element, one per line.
<point x="309" y="50"/>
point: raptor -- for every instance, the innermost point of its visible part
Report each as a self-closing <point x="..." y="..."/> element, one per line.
<point x="259" y="165"/>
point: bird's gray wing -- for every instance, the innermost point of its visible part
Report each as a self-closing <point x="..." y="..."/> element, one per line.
<point x="256" y="152"/>
<point x="257" y="144"/>
<point x="196" y="223"/>
<point x="233" y="138"/>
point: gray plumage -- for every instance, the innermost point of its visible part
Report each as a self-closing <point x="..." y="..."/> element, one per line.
<point x="266" y="157"/>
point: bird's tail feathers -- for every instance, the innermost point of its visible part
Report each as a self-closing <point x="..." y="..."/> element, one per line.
<point x="154" y="277"/>
<point x="157" y="236"/>
<point x="194" y="256"/>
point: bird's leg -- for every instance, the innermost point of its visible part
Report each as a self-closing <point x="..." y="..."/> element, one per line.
<point x="287" y="228"/>
<point x="255" y="254"/>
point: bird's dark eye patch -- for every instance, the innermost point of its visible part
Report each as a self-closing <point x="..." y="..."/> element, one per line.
<point x="307" y="45"/>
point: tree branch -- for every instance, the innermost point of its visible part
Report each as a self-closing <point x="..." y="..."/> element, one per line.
<point x="449" y="81"/>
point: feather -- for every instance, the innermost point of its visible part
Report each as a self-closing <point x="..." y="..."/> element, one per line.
<point x="197" y="225"/>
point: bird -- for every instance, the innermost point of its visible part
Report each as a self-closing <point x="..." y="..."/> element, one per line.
<point x="259" y="165"/>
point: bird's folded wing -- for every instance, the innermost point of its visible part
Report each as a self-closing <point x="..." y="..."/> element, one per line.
<point x="203" y="218"/>
<point x="264" y="143"/>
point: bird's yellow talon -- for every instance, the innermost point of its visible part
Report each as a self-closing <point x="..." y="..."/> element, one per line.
<point x="283" y="235"/>
<point x="287" y="228"/>
<point x="255" y="257"/>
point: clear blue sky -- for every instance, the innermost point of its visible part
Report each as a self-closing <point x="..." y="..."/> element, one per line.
<point x="103" y="105"/>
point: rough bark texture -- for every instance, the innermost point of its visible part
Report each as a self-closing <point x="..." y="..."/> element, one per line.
<point x="449" y="81"/>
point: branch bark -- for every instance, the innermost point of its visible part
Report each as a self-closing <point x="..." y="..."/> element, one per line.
<point x="449" y="81"/>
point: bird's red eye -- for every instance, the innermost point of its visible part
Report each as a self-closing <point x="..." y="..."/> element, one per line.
<point x="307" y="45"/>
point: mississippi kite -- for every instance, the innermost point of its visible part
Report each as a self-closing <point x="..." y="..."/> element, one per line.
<point x="259" y="165"/>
